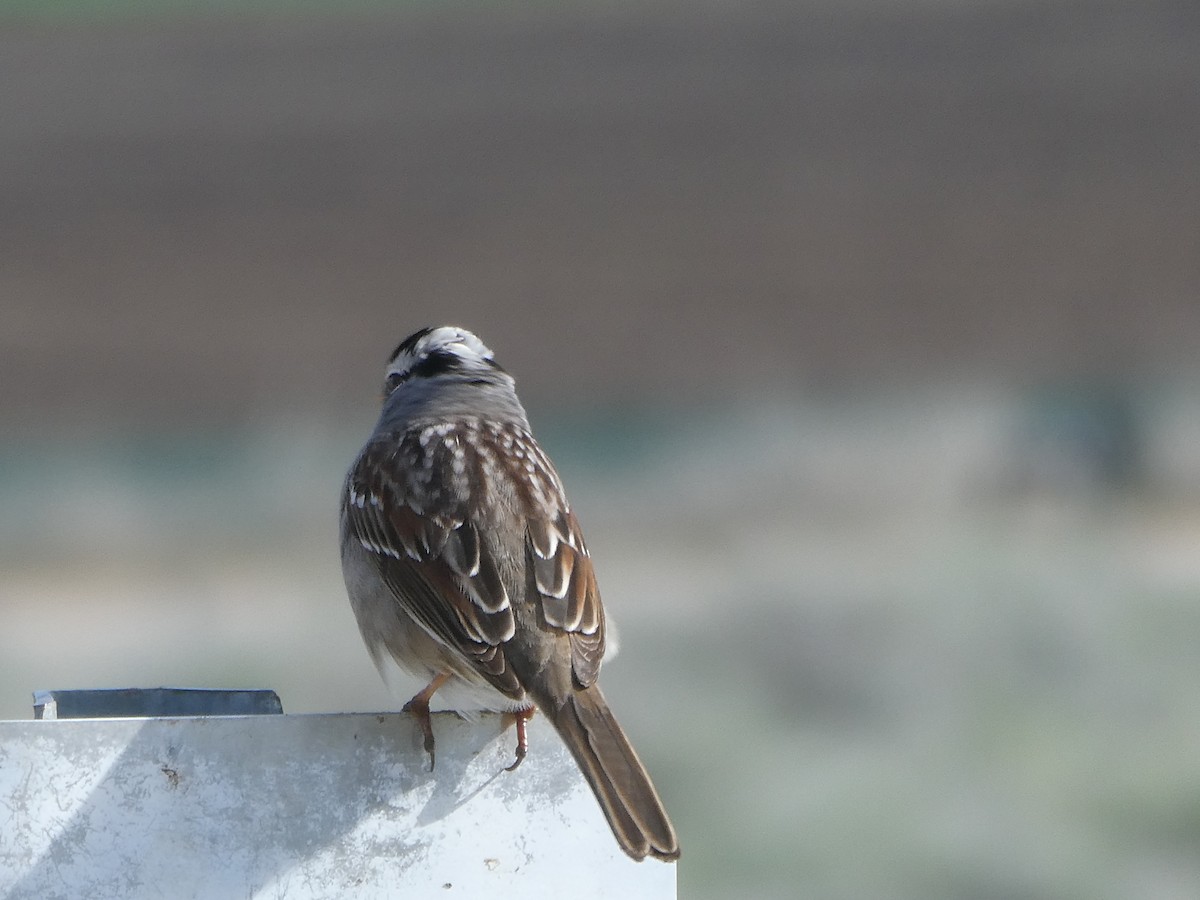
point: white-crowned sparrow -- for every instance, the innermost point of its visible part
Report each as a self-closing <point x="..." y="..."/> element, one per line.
<point x="465" y="564"/>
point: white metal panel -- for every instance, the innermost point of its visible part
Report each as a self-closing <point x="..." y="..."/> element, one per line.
<point x="301" y="807"/>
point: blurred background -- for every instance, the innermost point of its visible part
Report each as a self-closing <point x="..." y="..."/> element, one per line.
<point x="864" y="335"/>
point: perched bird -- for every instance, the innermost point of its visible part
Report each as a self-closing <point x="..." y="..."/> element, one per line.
<point x="465" y="564"/>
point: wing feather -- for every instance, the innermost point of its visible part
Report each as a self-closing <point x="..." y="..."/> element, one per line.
<point x="429" y="553"/>
<point x="415" y="504"/>
<point x="566" y="582"/>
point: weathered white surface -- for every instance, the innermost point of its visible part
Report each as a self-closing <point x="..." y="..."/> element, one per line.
<point x="301" y="807"/>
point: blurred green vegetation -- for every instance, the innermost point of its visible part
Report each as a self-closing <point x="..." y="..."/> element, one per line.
<point x="873" y="646"/>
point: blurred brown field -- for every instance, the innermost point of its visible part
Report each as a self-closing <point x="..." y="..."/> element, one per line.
<point x="220" y="217"/>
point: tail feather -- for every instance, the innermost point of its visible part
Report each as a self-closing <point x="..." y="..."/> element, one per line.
<point x="616" y="775"/>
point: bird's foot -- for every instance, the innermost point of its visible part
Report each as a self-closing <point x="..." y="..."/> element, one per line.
<point x="418" y="708"/>
<point x="521" y="717"/>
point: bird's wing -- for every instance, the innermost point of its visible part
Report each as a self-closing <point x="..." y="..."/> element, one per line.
<point x="566" y="584"/>
<point x="428" y="551"/>
<point x="416" y="503"/>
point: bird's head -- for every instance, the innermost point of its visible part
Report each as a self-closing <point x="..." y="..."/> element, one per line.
<point x="447" y="353"/>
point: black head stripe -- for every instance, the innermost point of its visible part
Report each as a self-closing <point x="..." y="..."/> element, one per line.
<point x="409" y="343"/>
<point x="439" y="362"/>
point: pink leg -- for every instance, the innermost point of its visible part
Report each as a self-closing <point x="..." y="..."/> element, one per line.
<point x="418" y="708"/>
<point x="522" y="716"/>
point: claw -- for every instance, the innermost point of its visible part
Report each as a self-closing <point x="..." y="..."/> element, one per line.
<point x="418" y="708"/>
<point x="521" y="716"/>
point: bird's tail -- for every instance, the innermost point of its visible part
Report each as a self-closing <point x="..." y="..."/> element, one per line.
<point x="616" y="775"/>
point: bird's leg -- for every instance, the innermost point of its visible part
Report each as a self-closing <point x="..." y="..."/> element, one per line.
<point x="418" y="708"/>
<point x="521" y="716"/>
